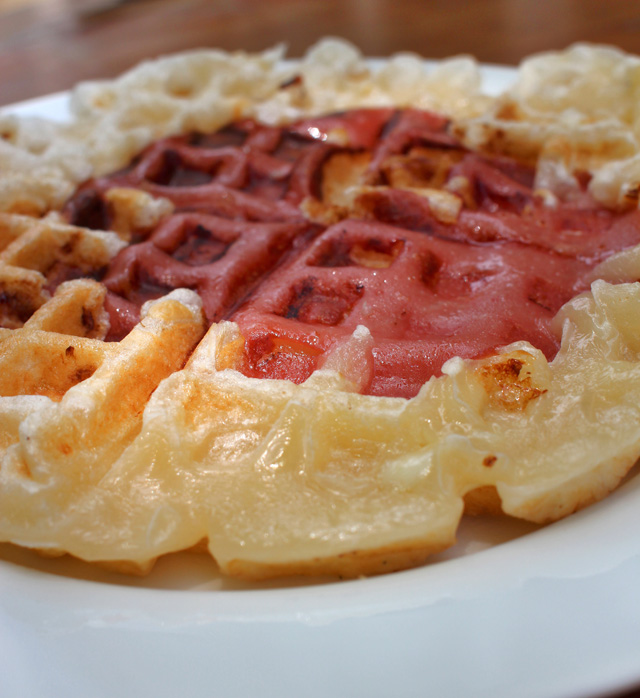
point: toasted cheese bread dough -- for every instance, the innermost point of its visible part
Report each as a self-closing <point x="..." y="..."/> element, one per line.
<point x="123" y="451"/>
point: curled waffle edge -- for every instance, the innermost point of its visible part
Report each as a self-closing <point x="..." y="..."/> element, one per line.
<point x="281" y="478"/>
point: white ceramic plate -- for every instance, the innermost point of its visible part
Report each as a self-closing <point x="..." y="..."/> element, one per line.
<point x="512" y="610"/>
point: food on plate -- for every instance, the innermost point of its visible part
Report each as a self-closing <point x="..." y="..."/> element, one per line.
<point x="304" y="314"/>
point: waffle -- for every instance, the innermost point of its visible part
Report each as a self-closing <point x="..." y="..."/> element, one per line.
<point x="309" y="345"/>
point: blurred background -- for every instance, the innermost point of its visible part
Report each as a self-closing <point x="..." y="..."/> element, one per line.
<point x="49" y="45"/>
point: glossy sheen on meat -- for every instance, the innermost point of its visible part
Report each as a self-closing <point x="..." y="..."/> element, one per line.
<point x="427" y="286"/>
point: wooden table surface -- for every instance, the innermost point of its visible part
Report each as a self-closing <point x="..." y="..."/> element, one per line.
<point x="49" y="45"/>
